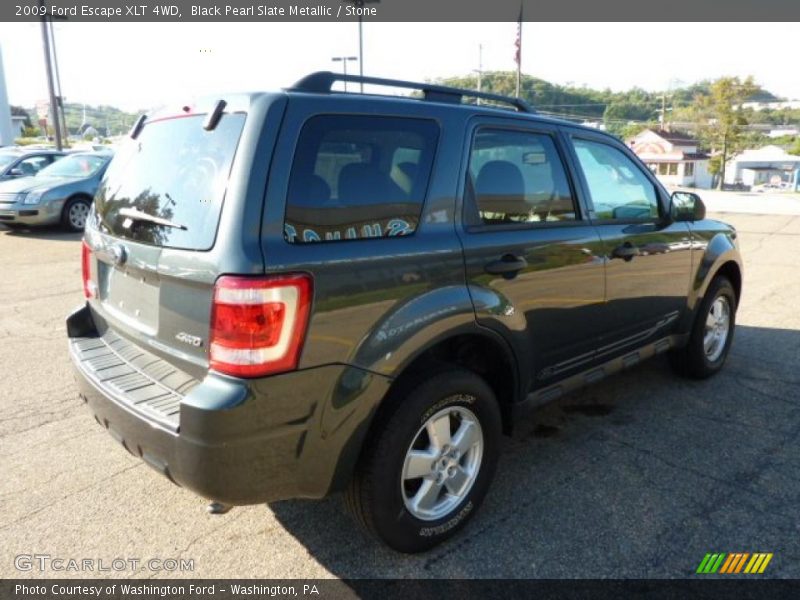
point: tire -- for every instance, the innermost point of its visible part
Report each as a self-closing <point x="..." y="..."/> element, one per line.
<point x="705" y="353"/>
<point x="388" y="498"/>
<point x="75" y="213"/>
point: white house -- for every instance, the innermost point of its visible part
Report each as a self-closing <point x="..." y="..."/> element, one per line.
<point x="770" y="164"/>
<point x="673" y="157"/>
<point x="758" y="106"/>
<point x="783" y="131"/>
<point x="17" y="124"/>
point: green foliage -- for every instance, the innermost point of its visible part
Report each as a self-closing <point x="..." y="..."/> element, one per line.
<point x="626" y="113"/>
<point x="26" y="141"/>
<point x="578" y="103"/>
<point x="719" y="121"/>
<point x="107" y="120"/>
<point x="18" y="111"/>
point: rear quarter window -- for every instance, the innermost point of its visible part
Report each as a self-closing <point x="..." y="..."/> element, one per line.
<point x="357" y="177"/>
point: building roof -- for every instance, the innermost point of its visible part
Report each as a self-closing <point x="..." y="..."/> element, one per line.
<point x="675" y="137"/>
<point x="766" y="154"/>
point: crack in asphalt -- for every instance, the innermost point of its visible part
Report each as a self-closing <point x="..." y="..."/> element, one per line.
<point x="69" y="495"/>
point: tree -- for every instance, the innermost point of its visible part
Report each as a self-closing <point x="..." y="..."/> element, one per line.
<point x="18" y="111"/>
<point x="721" y="123"/>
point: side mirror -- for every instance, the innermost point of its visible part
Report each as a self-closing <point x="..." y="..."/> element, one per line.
<point x="16" y="172"/>
<point x="686" y="206"/>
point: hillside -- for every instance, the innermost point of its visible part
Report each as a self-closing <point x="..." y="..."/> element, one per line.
<point x="620" y="112"/>
<point x="107" y="120"/>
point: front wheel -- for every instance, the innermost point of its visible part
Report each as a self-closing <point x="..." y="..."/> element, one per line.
<point x="427" y="467"/>
<point x="75" y="213"/>
<point x="712" y="334"/>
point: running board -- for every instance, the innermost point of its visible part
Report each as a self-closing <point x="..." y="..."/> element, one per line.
<point x="549" y="393"/>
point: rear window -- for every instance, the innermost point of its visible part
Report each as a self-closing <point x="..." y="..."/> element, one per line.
<point x="77" y="166"/>
<point x="175" y="171"/>
<point x="357" y="177"/>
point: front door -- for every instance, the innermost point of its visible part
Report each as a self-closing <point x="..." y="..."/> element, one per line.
<point x="533" y="262"/>
<point x="647" y="255"/>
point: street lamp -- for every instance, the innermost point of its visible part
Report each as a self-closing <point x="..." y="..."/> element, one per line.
<point x="344" y="60"/>
<point x="360" y="4"/>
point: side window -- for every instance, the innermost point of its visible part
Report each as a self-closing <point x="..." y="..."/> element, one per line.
<point x="32" y="165"/>
<point x="518" y="177"/>
<point x="618" y="189"/>
<point x="357" y="177"/>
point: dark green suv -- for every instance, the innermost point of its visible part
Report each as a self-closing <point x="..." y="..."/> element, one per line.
<point x="298" y="293"/>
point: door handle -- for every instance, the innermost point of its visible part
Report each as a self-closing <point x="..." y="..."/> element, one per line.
<point x="508" y="266"/>
<point x="626" y="252"/>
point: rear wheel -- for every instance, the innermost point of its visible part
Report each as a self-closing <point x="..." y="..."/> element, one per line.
<point x="428" y="465"/>
<point x="75" y="213"/>
<point x="712" y="334"/>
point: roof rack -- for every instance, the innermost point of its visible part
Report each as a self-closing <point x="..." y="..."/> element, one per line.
<point x="321" y="82"/>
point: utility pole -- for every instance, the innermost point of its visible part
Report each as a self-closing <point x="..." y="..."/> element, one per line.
<point x="361" y="52"/>
<point x="519" y="51"/>
<point x="59" y="95"/>
<point x="663" y="110"/>
<point x="50" y="85"/>
<point x="479" y="71"/>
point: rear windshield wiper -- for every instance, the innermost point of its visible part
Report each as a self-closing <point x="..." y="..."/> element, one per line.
<point x="137" y="215"/>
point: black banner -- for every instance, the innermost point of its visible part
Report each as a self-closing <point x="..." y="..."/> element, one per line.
<point x="400" y="10"/>
<point x="394" y="589"/>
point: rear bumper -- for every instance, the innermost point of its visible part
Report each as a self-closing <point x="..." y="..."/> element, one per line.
<point x="242" y="441"/>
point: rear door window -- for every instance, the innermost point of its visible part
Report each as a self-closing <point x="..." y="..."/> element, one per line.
<point x="357" y="177"/>
<point x="175" y="171"/>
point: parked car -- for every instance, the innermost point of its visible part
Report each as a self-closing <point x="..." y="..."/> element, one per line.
<point x="60" y="193"/>
<point x="298" y="293"/>
<point x="22" y="162"/>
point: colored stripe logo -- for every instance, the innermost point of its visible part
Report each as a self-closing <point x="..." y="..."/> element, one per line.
<point x="735" y="562"/>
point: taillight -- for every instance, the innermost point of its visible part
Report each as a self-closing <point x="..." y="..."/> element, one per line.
<point x="89" y="287"/>
<point x="258" y="325"/>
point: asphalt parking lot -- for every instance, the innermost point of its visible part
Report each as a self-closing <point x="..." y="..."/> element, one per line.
<point x="639" y="476"/>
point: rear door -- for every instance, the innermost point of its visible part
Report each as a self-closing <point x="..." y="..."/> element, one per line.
<point x="533" y="262"/>
<point x="154" y="235"/>
<point x="354" y="200"/>
<point x="648" y="256"/>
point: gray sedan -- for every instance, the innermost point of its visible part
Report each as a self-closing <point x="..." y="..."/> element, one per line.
<point x="61" y="193"/>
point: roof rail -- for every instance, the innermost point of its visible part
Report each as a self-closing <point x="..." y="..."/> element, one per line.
<point x="321" y="82"/>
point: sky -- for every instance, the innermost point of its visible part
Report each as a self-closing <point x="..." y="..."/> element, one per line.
<point x="136" y="66"/>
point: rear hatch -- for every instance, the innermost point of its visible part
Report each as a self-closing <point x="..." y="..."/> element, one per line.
<point x="151" y="240"/>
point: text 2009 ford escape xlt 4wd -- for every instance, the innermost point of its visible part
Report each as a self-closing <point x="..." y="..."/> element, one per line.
<point x="292" y="294"/>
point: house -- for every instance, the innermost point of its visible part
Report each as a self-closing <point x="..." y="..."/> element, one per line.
<point x="673" y="157"/>
<point x="779" y="105"/>
<point x="18" y="124"/>
<point x="767" y="165"/>
<point x="783" y="132"/>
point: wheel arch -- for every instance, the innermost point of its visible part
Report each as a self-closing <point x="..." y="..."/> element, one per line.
<point x="733" y="272"/>
<point x="475" y="349"/>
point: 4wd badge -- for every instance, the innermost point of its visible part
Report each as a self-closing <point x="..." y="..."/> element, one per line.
<point x="192" y="340"/>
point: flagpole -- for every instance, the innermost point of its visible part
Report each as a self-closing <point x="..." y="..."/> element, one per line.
<point x="519" y="49"/>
